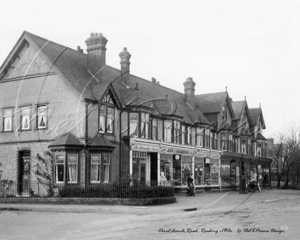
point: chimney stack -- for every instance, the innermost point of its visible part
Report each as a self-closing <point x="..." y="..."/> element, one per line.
<point x="189" y="91"/>
<point x="154" y="80"/>
<point x="96" y="51"/>
<point x="125" y="63"/>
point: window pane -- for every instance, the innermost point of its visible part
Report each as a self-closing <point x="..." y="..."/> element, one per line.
<point x="72" y="168"/>
<point x="7" y="119"/>
<point x="106" y="168"/>
<point x="42" y="117"/>
<point x="168" y="130"/>
<point x="95" y="168"/>
<point x="159" y="130"/>
<point x="59" y="169"/>
<point x="134" y="117"/>
<point x="102" y="124"/>
<point x="154" y="129"/>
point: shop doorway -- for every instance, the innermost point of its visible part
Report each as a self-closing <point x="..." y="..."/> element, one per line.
<point x="207" y="176"/>
<point x="153" y="169"/>
<point x="24" y="173"/>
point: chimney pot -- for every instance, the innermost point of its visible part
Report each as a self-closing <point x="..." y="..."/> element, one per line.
<point x="158" y="83"/>
<point x="189" y="91"/>
<point x="125" y="66"/>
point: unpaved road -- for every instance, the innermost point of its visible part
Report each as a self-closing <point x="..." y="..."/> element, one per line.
<point x="274" y="218"/>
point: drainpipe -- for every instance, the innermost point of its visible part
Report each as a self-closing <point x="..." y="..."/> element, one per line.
<point x="85" y="144"/>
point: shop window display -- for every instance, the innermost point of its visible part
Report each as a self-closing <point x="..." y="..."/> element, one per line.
<point x="199" y="174"/>
<point x="225" y="173"/>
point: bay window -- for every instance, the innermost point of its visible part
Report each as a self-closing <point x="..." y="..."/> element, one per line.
<point x="100" y="167"/>
<point x="7" y="119"/>
<point x="168" y="130"/>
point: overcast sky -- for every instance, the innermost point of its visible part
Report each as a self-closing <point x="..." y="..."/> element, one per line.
<point x="252" y="47"/>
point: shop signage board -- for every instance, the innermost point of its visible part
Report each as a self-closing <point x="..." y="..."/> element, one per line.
<point x="166" y="150"/>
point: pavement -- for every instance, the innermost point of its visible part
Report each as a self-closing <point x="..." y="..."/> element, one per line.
<point x="204" y="200"/>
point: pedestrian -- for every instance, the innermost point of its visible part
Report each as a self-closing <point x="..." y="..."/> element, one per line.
<point x="190" y="183"/>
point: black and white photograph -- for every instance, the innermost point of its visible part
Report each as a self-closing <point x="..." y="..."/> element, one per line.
<point x="150" y="120"/>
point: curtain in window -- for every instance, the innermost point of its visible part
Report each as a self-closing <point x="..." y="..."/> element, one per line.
<point x="95" y="168"/>
<point x="102" y="119"/>
<point x="168" y="131"/>
<point x="110" y="119"/>
<point x="42" y="119"/>
<point x="25" y="115"/>
<point x="154" y="128"/>
<point x="106" y="168"/>
<point x="134" y="118"/>
<point x="144" y="125"/>
<point x="7" y="119"/>
<point x="72" y="168"/>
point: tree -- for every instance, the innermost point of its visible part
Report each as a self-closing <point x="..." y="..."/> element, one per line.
<point x="286" y="154"/>
<point x="43" y="172"/>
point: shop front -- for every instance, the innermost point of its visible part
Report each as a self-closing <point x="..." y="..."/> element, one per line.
<point x="156" y="163"/>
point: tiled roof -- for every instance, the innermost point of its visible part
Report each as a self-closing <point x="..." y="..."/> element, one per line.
<point x="237" y="108"/>
<point x="259" y="136"/>
<point x="255" y="113"/>
<point x="67" y="139"/>
<point x="100" y="140"/>
<point x="211" y="102"/>
<point x="72" y="64"/>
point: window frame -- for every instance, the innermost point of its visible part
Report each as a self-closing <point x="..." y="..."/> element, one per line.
<point x="101" y="168"/>
<point x="106" y="118"/>
<point x="29" y="118"/>
<point x="11" y="119"/>
<point x="40" y="106"/>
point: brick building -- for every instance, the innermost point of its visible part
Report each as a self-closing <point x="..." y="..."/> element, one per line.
<point x="101" y="124"/>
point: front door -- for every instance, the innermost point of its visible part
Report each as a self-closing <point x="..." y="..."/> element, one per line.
<point x="24" y="173"/>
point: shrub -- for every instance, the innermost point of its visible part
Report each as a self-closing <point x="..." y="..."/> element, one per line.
<point x="117" y="191"/>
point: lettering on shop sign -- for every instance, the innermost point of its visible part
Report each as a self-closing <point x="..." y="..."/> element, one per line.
<point x="145" y="148"/>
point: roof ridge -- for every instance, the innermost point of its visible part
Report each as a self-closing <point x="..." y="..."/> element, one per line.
<point x="47" y="40"/>
<point x="209" y="93"/>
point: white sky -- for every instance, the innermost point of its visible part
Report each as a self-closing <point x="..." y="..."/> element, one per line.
<point x="252" y="47"/>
